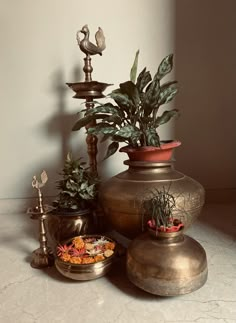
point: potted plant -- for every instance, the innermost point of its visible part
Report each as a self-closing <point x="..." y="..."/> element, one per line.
<point x="133" y="117"/>
<point x="164" y="261"/>
<point x="73" y="208"/>
<point x="158" y="208"/>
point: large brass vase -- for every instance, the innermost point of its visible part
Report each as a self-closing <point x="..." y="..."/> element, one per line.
<point x="122" y="194"/>
<point x="168" y="264"/>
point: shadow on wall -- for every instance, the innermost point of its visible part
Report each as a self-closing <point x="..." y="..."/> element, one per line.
<point x="59" y="125"/>
<point x="206" y="71"/>
<point x="62" y="121"/>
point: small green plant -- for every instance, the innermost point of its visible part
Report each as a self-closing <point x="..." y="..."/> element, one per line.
<point x="77" y="186"/>
<point x="134" y="116"/>
<point x="157" y="208"/>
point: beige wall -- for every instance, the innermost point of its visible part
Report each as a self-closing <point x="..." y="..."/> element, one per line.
<point x="205" y="44"/>
<point x="39" y="54"/>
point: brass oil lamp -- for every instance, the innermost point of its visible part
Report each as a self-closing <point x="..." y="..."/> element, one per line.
<point x="43" y="256"/>
<point x="89" y="89"/>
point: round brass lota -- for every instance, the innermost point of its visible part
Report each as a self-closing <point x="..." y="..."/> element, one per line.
<point x="168" y="264"/>
<point x="121" y="195"/>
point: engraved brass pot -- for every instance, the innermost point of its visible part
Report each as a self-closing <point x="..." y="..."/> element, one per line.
<point x="122" y="194"/>
<point x="62" y="226"/>
<point x="167" y="264"/>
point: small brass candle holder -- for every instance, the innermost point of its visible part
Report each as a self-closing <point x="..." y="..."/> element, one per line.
<point x="43" y="256"/>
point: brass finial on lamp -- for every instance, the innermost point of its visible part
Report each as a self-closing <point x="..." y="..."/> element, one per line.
<point x="89" y="89"/>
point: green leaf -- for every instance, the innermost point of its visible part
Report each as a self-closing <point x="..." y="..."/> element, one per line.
<point x="127" y="131"/>
<point x="113" y="136"/>
<point x="104" y="108"/>
<point x="166" y="116"/>
<point x="152" y="137"/>
<point x="122" y="100"/>
<point x="103" y="128"/>
<point x="86" y="120"/>
<point x="168" y="84"/>
<point x="113" y="118"/>
<point x="131" y="90"/>
<point x="165" y="66"/>
<point x="143" y="79"/>
<point x="133" y="72"/>
<point x="118" y="138"/>
<point x="112" y="148"/>
<point x="167" y="93"/>
<point x="135" y="137"/>
<point x="151" y="96"/>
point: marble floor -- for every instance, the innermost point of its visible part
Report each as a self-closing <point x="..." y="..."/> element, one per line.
<point x="30" y="295"/>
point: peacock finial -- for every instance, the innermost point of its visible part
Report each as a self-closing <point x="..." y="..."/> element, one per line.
<point x="38" y="185"/>
<point x="88" y="47"/>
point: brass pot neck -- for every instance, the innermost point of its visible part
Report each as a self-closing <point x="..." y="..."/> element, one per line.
<point x="149" y="167"/>
<point x="167" y="237"/>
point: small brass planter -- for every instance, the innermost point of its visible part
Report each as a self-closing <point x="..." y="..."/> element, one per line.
<point x="65" y="225"/>
<point x="167" y="264"/>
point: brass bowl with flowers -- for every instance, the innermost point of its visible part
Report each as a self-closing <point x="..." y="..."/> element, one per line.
<point x="85" y="257"/>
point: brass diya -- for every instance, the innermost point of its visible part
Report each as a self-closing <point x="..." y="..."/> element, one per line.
<point x="43" y="256"/>
<point x="166" y="264"/>
<point x="86" y="271"/>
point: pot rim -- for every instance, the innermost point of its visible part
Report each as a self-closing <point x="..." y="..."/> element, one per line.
<point x="71" y="213"/>
<point x="164" y="146"/>
<point x="165" y="234"/>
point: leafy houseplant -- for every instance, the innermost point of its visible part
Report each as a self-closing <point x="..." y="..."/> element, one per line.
<point x="73" y="214"/>
<point x="133" y="117"/>
<point x="77" y="186"/>
<point x="158" y="206"/>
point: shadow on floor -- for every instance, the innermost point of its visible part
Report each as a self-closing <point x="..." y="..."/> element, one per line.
<point x="220" y="217"/>
<point x="118" y="277"/>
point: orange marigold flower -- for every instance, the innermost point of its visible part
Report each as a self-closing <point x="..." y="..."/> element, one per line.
<point x="88" y="260"/>
<point x="78" y="243"/>
<point x="110" y="245"/>
<point x="65" y="257"/>
<point x="99" y="258"/>
<point x="75" y="260"/>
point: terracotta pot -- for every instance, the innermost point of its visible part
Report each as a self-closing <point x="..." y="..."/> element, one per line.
<point x="173" y="228"/>
<point x="167" y="264"/>
<point x="121" y="195"/>
<point x="150" y="153"/>
<point x="62" y="226"/>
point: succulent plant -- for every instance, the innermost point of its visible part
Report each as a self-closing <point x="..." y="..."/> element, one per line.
<point x="160" y="210"/>
<point x="134" y="116"/>
<point x="158" y="205"/>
